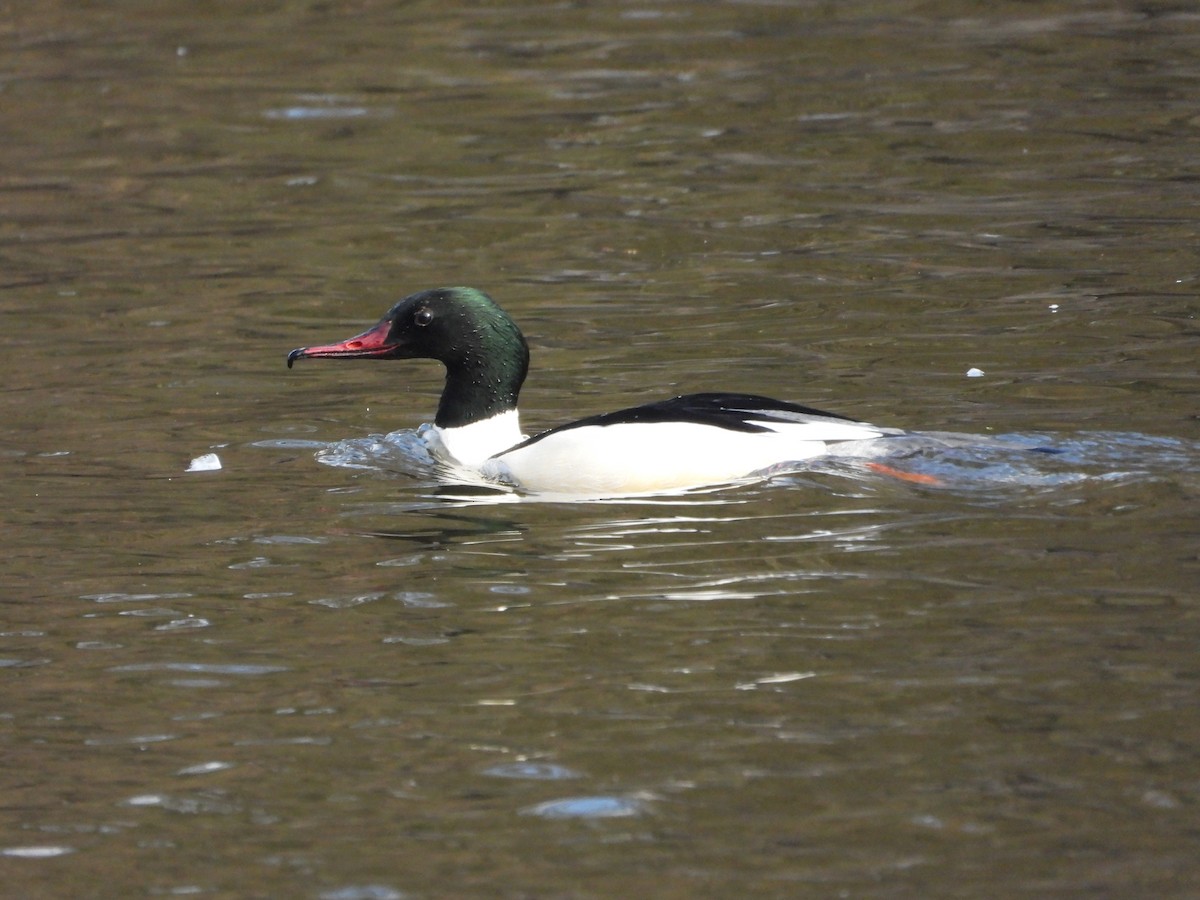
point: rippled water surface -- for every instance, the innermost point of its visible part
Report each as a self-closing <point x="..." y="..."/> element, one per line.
<point x="311" y="672"/>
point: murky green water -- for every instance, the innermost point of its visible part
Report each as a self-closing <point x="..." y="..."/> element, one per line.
<point x="290" y="679"/>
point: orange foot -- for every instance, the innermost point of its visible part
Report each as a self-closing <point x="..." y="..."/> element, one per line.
<point x="913" y="477"/>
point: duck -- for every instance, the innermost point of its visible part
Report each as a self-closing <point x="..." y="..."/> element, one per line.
<point x="686" y="442"/>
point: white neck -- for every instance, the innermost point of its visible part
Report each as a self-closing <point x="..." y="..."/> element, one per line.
<point x="470" y="445"/>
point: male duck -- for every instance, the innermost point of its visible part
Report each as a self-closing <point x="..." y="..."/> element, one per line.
<point x="691" y="441"/>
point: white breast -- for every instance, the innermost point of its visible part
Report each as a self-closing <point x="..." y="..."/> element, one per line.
<point x="470" y="445"/>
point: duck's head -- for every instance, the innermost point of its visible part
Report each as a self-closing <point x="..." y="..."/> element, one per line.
<point x="452" y="325"/>
<point x="484" y="352"/>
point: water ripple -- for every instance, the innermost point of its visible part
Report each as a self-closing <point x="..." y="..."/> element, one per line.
<point x="938" y="459"/>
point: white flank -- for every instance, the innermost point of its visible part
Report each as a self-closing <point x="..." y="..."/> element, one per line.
<point x="645" y="457"/>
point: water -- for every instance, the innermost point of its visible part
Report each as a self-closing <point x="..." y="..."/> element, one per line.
<point x="284" y="678"/>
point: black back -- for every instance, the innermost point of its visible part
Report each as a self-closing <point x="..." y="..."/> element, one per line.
<point x="734" y="412"/>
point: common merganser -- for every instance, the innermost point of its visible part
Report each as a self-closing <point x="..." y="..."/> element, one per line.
<point x="691" y="441"/>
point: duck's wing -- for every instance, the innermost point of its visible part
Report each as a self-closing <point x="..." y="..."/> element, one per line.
<point x="747" y="413"/>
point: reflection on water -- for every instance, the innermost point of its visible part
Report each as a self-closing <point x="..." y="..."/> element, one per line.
<point x="283" y="679"/>
<point x="588" y="808"/>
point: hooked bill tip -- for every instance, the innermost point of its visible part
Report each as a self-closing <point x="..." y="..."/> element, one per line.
<point x="294" y="355"/>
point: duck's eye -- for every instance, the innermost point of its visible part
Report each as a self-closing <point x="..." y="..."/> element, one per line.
<point x="422" y="317"/>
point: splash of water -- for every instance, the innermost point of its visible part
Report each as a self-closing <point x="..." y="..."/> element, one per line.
<point x="945" y="460"/>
